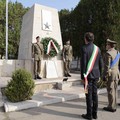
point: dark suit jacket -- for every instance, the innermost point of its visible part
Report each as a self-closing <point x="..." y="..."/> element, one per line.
<point x="85" y="56"/>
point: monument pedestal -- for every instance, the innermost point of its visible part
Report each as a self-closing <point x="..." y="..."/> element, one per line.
<point x="51" y="69"/>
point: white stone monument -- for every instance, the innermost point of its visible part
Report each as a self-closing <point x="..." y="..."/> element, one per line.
<point x="41" y="21"/>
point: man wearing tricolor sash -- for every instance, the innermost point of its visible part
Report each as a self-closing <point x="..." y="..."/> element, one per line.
<point x="111" y="74"/>
<point x="91" y="69"/>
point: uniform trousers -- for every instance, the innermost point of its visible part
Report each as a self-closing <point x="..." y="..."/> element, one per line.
<point x="37" y="67"/>
<point x="67" y="66"/>
<point x="112" y="93"/>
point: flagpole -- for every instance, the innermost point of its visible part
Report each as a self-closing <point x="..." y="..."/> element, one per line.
<point x="6" y="54"/>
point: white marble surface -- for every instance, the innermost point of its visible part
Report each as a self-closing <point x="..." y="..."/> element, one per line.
<point x="64" y="85"/>
<point x="32" y="27"/>
<point x="7" y="67"/>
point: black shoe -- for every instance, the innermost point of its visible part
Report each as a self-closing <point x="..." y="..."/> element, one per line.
<point x="65" y="79"/>
<point x="119" y="104"/>
<point x="69" y="75"/>
<point x="85" y="116"/>
<point x="66" y="75"/>
<point x="38" y="77"/>
<point x="94" y="115"/>
<point x="109" y="109"/>
<point x="35" y="77"/>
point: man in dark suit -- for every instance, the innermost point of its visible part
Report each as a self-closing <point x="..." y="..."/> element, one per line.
<point x="37" y="54"/>
<point x="92" y="75"/>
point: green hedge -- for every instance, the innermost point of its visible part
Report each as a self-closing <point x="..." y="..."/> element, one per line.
<point x="21" y="86"/>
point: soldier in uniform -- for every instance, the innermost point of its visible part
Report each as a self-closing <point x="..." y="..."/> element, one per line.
<point x="37" y="54"/>
<point x="111" y="75"/>
<point x="67" y="58"/>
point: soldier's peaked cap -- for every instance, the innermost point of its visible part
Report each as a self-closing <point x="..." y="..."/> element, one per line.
<point x="111" y="41"/>
<point x="37" y="37"/>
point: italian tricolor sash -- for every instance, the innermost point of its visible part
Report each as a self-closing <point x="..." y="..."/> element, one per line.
<point x="90" y="65"/>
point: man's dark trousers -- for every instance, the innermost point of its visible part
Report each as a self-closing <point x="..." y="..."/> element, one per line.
<point x="92" y="98"/>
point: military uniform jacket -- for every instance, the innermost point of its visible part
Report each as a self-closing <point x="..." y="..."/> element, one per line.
<point x="68" y="52"/>
<point x="37" y="51"/>
<point x="111" y="73"/>
<point x="98" y="65"/>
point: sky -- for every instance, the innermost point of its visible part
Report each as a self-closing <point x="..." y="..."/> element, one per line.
<point x="58" y="4"/>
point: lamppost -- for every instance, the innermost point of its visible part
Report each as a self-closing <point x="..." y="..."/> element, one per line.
<point x="6" y="53"/>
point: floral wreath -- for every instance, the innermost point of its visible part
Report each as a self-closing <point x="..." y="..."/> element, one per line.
<point x="51" y="46"/>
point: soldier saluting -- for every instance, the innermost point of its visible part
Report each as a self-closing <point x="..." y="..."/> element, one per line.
<point x="111" y="74"/>
<point x="37" y="54"/>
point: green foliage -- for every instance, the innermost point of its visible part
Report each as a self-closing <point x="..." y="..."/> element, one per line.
<point x="102" y="17"/>
<point x="15" y="15"/>
<point x="21" y="86"/>
<point x="2" y="27"/>
<point x="45" y="42"/>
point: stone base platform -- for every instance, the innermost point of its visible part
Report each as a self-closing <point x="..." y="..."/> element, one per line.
<point x="64" y="85"/>
<point x="46" y="97"/>
<point x="45" y="83"/>
<point x="50" y="83"/>
<point x="42" y="84"/>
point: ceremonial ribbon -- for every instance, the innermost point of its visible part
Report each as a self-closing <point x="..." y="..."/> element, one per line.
<point x="51" y="44"/>
<point x="115" y="60"/>
<point x="90" y="66"/>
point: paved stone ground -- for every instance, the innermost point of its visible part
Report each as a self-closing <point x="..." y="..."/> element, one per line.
<point x="37" y="96"/>
<point x="70" y="110"/>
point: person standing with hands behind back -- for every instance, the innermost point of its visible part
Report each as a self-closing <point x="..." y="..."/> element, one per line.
<point x="111" y="74"/>
<point x="91" y="69"/>
<point x="37" y="54"/>
<point x="67" y="58"/>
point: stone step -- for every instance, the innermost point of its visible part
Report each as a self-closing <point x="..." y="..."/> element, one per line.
<point x="46" y="97"/>
<point x="45" y="83"/>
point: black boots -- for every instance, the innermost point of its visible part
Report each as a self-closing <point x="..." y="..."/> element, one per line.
<point x="85" y="116"/>
<point x="109" y="109"/>
<point x="67" y="75"/>
<point x="37" y="77"/>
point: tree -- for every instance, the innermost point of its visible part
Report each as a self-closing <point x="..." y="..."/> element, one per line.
<point x="15" y="14"/>
<point x="102" y="17"/>
<point x="64" y="23"/>
<point x="2" y="27"/>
